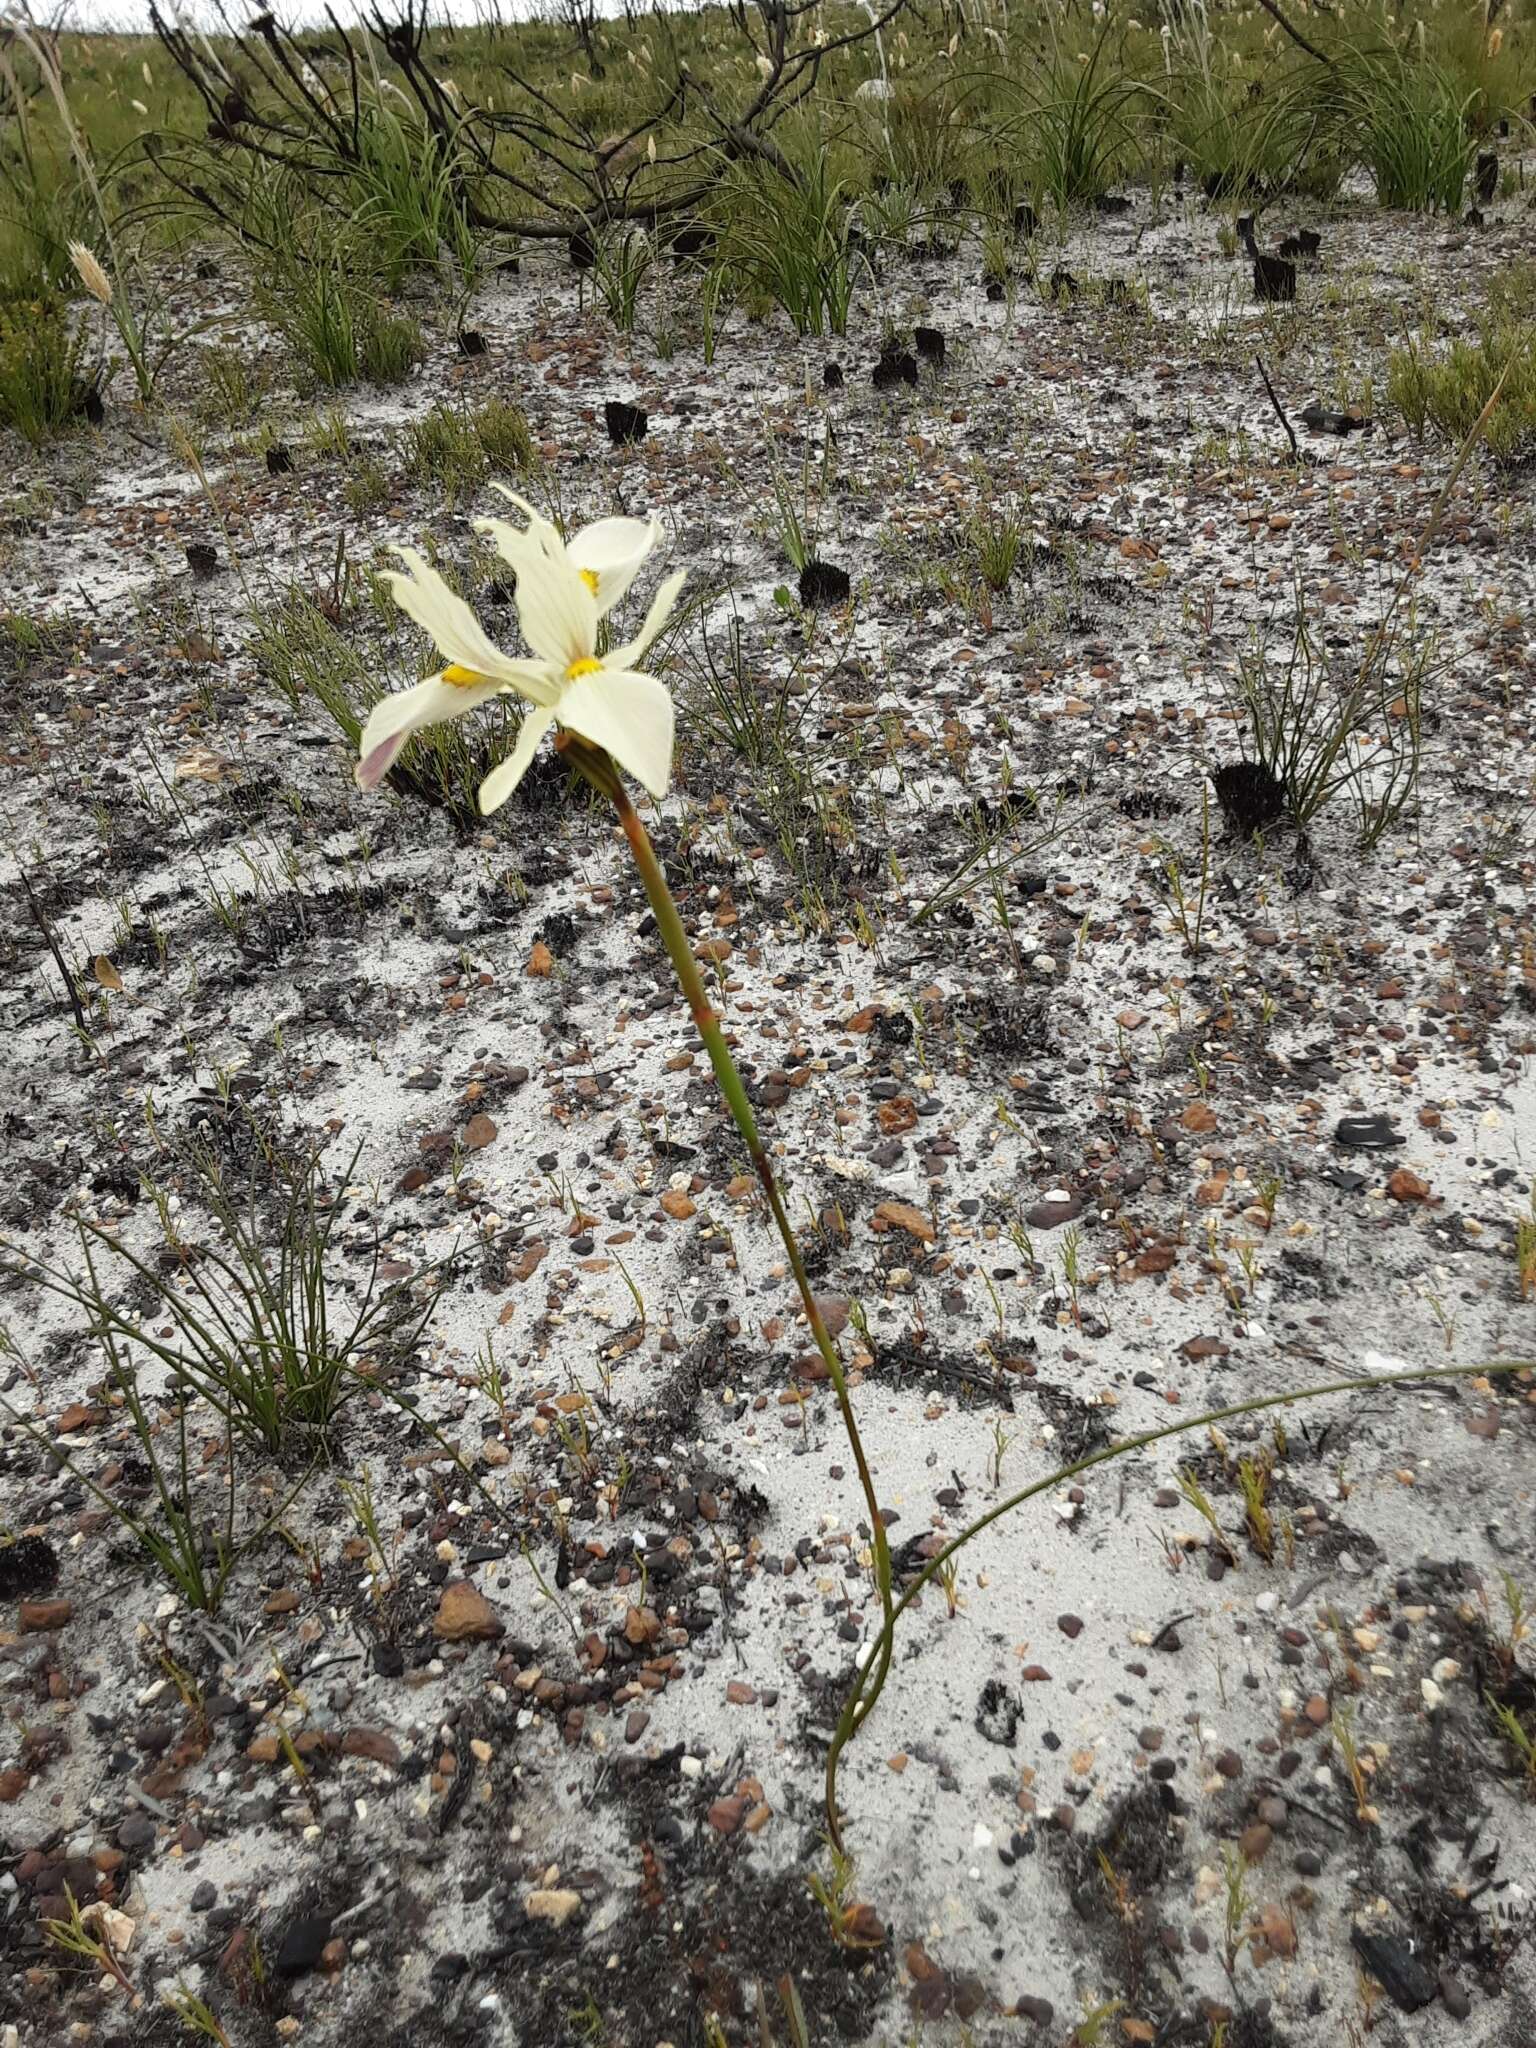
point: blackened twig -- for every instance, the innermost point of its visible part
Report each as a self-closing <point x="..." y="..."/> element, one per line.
<point x="1290" y="432"/>
<point x="1295" y="33"/>
<point x="40" y="919"/>
<point x="1168" y="1627"/>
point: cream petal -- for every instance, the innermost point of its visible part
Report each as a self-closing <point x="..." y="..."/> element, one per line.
<point x="506" y="775"/>
<point x="661" y="610"/>
<point x="556" y="610"/>
<point x="540" y="533"/>
<point x="613" y="550"/>
<point x="423" y="594"/>
<point x="510" y="542"/>
<point x="630" y="716"/>
<point x="403" y="712"/>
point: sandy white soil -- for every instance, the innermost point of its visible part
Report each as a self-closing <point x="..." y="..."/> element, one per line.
<point x="610" y="1807"/>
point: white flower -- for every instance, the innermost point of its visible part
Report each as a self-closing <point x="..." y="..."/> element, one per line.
<point x="563" y="590"/>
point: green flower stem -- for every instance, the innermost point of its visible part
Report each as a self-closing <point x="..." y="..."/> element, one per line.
<point x="600" y="772"/>
<point x="868" y="1683"/>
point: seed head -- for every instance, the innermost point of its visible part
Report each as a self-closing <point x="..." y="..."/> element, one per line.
<point x="92" y="276"/>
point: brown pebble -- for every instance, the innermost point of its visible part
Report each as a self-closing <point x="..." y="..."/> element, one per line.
<point x="371" y="1743"/>
<point x="464" y="1615"/>
<point x="1254" y="1842"/>
<point x="1070" y="1625"/>
<point x="40" y="1615"/>
<point x="727" y="1815"/>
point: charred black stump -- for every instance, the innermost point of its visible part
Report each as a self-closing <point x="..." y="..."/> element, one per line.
<point x="1487" y="176"/>
<point x="692" y="242"/>
<point x="1227" y="183"/>
<point x="471" y="342"/>
<point x="895" y="369"/>
<point x="1249" y="795"/>
<point x="822" y="584"/>
<point x="929" y="344"/>
<point x="832" y="376"/>
<point x="1311" y="241"/>
<point x="202" y="559"/>
<point x="1024" y="221"/>
<point x="1274" y="278"/>
<point x="279" y="459"/>
<point x="624" y="422"/>
<point x="995" y="291"/>
<point x="1328" y="419"/>
<point x="1063" y="284"/>
<point x="27" y="1566"/>
<point x="580" y="250"/>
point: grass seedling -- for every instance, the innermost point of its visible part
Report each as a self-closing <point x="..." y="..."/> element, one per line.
<point x="489" y="1376"/>
<point x="358" y="1496"/>
<point x="1001" y="1442"/>
<point x="1342" y="1726"/>
<point x="1236" y="1907"/>
<point x="1195" y="1494"/>
<point x="1517" y="1735"/>
<point x="587" y="2023"/>
<point x="195" y="2015"/>
<point x="1525" y="1249"/>
<point x="1442" y="1316"/>
<point x="634" y="1293"/>
<point x="1189" y="914"/>
<point x="576" y="1439"/>
<point x="1092" y="2030"/>
<point x="997" y="539"/>
<point x="77" y="1936"/>
<point x="1253" y="1476"/>
<point x="193" y="1555"/>
<point x="847" y="1922"/>
<point x="949" y="1581"/>
<point x="253" y="1328"/>
<point x="1071" y="1269"/>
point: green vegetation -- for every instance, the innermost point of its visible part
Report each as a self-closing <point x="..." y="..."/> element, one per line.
<point x="363" y="207"/>
<point x="1443" y="391"/>
<point x="455" y="450"/>
<point x="41" y="355"/>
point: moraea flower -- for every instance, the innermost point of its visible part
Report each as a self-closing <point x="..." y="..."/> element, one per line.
<point x="564" y="589"/>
